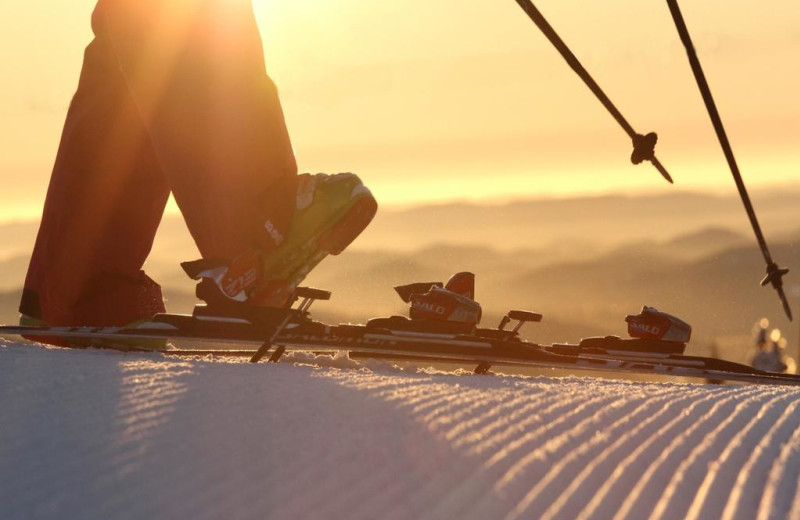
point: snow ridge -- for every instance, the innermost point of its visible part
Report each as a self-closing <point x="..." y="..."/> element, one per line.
<point x="103" y="435"/>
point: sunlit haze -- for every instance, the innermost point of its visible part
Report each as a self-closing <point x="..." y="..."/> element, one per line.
<point x="435" y="101"/>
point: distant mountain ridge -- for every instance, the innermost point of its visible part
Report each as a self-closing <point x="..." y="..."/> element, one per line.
<point x="530" y="223"/>
<point x="609" y="219"/>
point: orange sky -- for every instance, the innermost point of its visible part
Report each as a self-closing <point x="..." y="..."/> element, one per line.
<point x="434" y="100"/>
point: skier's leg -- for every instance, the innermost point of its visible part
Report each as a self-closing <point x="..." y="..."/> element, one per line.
<point x="195" y="69"/>
<point x="103" y="206"/>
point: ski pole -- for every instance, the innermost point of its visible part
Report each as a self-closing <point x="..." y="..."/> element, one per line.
<point x="643" y="145"/>
<point x="775" y="274"/>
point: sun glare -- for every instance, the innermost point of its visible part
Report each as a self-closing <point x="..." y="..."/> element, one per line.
<point x="382" y="88"/>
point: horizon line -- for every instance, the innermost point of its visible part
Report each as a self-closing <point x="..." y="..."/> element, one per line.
<point x="495" y="201"/>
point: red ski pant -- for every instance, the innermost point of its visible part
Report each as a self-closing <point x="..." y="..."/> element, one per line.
<point x="173" y="96"/>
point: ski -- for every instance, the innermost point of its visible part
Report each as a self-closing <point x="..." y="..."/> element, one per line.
<point x="278" y="331"/>
<point x="483" y="353"/>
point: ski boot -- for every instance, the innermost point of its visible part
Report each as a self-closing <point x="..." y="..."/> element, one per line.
<point x="330" y="212"/>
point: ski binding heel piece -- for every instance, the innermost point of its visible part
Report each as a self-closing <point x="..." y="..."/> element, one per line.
<point x="521" y="317"/>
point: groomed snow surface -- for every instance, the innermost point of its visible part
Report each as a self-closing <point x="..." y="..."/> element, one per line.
<point x="104" y="435"/>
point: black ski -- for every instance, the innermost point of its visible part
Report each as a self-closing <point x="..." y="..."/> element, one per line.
<point x="440" y="343"/>
<point x="656" y="346"/>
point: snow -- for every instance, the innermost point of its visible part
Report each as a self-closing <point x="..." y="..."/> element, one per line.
<point x="105" y="435"/>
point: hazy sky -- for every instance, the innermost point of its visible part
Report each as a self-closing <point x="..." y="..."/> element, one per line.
<point x="434" y="100"/>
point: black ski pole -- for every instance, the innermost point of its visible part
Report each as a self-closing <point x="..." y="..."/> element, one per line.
<point x="775" y="274"/>
<point x="643" y="145"/>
